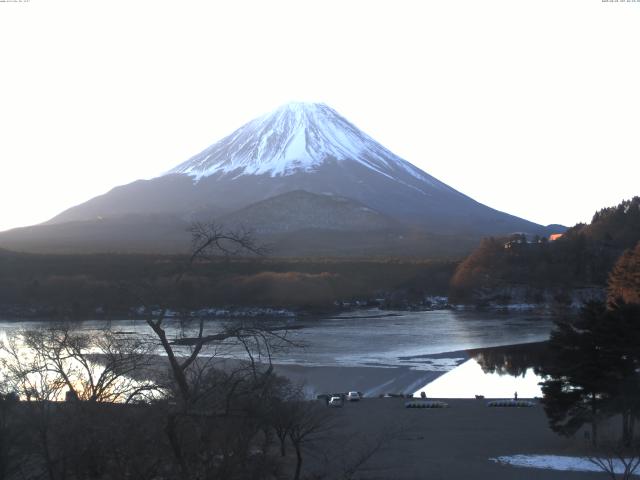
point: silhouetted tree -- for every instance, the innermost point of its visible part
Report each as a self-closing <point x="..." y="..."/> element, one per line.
<point x="10" y="435"/>
<point x="621" y="344"/>
<point x="583" y="256"/>
<point x="618" y="461"/>
<point x="217" y="412"/>
<point x="579" y="374"/>
<point x="308" y="422"/>
<point x="93" y="366"/>
<point x="594" y="370"/>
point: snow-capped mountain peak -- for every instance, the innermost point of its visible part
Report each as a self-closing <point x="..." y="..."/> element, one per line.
<point x="308" y="180"/>
<point x="297" y="137"/>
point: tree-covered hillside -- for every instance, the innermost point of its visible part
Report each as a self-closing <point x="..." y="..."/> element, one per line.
<point x="75" y="285"/>
<point x="582" y="257"/>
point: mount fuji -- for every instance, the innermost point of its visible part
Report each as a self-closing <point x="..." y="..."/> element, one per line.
<point x="303" y="177"/>
<point x="297" y="137"/>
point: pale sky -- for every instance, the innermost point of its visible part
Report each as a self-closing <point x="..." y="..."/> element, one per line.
<point x="531" y="107"/>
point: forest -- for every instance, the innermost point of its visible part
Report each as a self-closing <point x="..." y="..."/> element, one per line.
<point x="85" y="286"/>
<point x="581" y="258"/>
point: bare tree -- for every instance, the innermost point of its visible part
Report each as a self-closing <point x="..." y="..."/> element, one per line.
<point x="212" y="239"/>
<point x="208" y="239"/>
<point x="217" y="403"/>
<point x="10" y="434"/>
<point x="281" y="412"/>
<point x="93" y="366"/>
<point x="214" y="413"/>
<point x="29" y="377"/>
<point x="41" y="366"/>
<point x="620" y="462"/>
<point x="309" y="423"/>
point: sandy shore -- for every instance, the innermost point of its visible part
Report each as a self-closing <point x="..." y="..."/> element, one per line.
<point x="452" y="443"/>
<point x="372" y="381"/>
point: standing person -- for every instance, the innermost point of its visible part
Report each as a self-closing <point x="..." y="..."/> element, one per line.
<point x="515" y="396"/>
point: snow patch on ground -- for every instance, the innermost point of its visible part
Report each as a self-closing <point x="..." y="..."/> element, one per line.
<point x="556" y="462"/>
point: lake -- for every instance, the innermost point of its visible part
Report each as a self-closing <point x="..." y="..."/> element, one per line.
<point x="432" y="342"/>
<point x="363" y="337"/>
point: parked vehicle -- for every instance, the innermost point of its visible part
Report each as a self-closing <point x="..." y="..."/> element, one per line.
<point x="353" y="396"/>
<point x="335" y="401"/>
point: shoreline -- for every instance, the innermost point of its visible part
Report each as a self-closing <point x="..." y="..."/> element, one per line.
<point x="50" y="313"/>
<point x="373" y="380"/>
<point x="377" y="380"/>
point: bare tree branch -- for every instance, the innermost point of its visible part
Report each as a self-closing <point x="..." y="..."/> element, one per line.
<point x="211" y="239"/>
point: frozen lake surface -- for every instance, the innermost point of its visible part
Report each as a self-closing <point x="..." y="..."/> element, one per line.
<point x="366" y="337"/>
<point x="435" y="343"/>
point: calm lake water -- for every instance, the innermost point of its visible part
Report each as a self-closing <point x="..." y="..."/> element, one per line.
<point x="375" y="338"/>
<point x="454" y="350"/>
<point x="365" y="337"/>
<point x="442" y="347"/>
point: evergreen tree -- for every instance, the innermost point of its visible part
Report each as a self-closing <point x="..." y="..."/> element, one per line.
<point x="594" y="372"/>
<point x="583" y="256"/>
<point x="577" y="388"/>
<point x="621" y="341"/>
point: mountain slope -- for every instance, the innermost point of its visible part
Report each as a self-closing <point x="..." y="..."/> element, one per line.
<point x="298" y="147"/>
<point x="122" y="234"/>
<point x="301" y="210"/>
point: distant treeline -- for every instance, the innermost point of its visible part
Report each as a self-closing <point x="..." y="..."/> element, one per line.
<point x="583" y="257"/>
<point x="75" y="285"/>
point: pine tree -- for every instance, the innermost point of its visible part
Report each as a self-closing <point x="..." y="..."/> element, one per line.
<point x="577" y="388"/>
<point x="595" y="370"/>
<point x="621" y="341"/>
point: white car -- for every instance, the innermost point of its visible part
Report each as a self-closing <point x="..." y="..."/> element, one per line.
<point x="335" y="401"/>
<point x="353" y="396"/>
